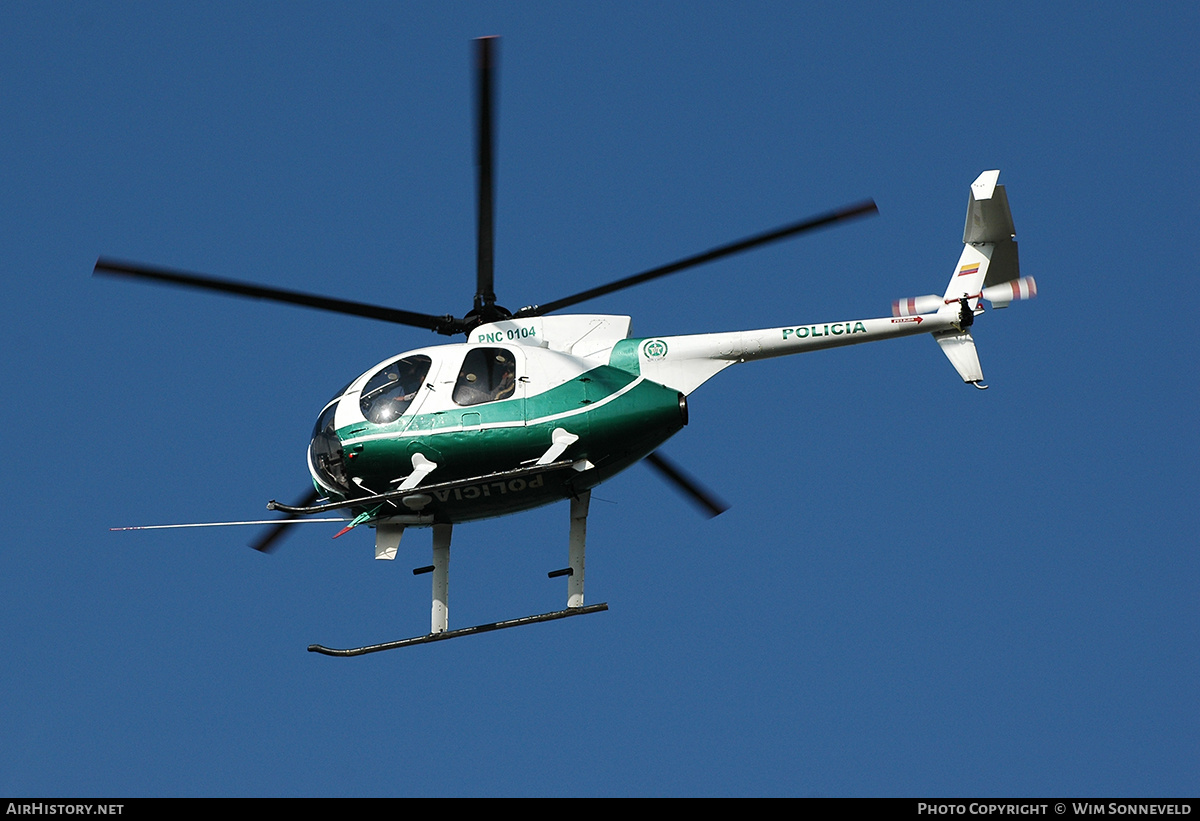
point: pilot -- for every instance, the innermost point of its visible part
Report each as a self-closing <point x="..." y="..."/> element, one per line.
<point x="409" y="377"/>
<point x="507" y="384"/>
<point x="500" y="381"/>
<point x="388" y="402"/>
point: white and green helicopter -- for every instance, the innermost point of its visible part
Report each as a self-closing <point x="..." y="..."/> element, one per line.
<point x="536" y="407"/>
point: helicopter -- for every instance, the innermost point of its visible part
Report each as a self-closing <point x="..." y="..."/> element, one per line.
<point x="536" y="407"/>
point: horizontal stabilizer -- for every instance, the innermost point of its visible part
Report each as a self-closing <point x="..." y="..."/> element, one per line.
<point x="959" y="348"/>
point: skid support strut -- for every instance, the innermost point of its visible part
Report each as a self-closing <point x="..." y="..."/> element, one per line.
<point x="575" y="548"/>
<point x="439" y="620"/>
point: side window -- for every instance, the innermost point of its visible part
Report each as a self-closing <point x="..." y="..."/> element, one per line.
<point x="387" y="394"/>
<point x="487" y="374"/>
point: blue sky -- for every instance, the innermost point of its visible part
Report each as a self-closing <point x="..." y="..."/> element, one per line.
<point x="920" y="589"/>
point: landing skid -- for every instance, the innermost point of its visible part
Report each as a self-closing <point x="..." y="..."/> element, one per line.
<point x="385" y="547"/>
<point x="462" y="631"/>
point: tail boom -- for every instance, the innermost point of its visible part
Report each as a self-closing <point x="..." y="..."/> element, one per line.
<point x="687" y="362"/>
<point x="987" y="269"/>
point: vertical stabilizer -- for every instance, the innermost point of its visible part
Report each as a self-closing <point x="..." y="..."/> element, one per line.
<point x="988" y="259"/>
<point x="990" y="223"/>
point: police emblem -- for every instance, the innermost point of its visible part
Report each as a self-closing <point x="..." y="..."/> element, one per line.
<point x="654" y="349"/>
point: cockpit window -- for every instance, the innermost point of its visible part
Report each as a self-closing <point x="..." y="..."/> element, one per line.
<point x="487" y="374"/>
<point x="387" y="394"/>
<point x="325" y="451"/>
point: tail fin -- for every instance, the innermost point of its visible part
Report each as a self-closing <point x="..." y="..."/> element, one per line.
<point x="989" y="255"/>
<point x="988" y="268"/>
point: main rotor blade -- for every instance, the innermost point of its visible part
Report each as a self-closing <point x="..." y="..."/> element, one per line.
<point x="485" y="148"/>
<point x="783" y="232"/>
<point x="442" y="324"/>
<point x="704" y="498"/>
<point x="267" y="541"/>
